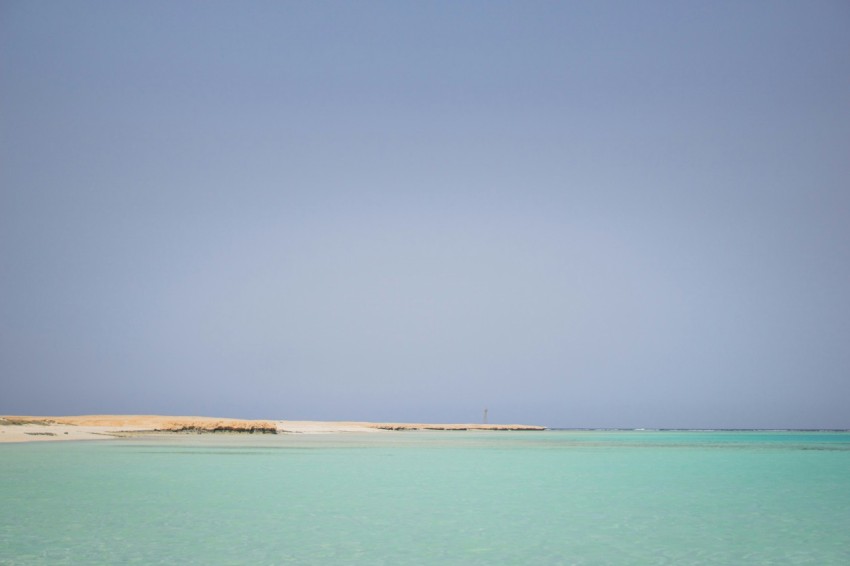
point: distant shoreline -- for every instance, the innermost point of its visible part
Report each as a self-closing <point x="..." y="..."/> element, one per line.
<point x="100" y="427"/>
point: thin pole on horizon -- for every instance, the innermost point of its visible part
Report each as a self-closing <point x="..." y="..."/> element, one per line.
<point x="485" y="415"/>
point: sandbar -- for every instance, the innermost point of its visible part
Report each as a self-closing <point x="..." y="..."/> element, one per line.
<point x="100" y="427"/>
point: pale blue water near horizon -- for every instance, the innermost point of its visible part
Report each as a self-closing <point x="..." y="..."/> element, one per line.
<point x="552" y="497"/>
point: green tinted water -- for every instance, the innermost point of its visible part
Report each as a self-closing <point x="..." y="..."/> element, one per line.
<point x="554" y="497"/>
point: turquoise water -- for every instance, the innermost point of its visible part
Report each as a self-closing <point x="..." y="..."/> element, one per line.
<point x="553" y="497"/>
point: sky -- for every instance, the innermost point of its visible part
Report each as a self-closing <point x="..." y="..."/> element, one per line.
<point x="574" y="214"/>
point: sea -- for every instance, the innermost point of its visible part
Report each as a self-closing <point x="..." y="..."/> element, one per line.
<point x="415" y="497"/>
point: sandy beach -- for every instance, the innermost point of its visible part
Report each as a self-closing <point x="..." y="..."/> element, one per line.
<point x="100" y="427"/>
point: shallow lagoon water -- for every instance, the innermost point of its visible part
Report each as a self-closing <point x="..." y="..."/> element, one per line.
<point x="552" y="497"/>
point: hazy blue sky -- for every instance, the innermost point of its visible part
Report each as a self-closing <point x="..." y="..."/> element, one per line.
<point x="577" y="214"/>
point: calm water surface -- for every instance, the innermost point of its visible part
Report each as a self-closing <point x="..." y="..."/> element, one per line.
<point x="553" y="497"/>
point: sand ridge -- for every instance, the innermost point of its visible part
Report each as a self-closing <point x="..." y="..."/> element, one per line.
<point x="91" y="427"/>
<point x="355" y="426"/>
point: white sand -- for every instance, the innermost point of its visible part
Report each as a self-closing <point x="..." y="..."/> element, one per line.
<point x="99" y="427"/>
